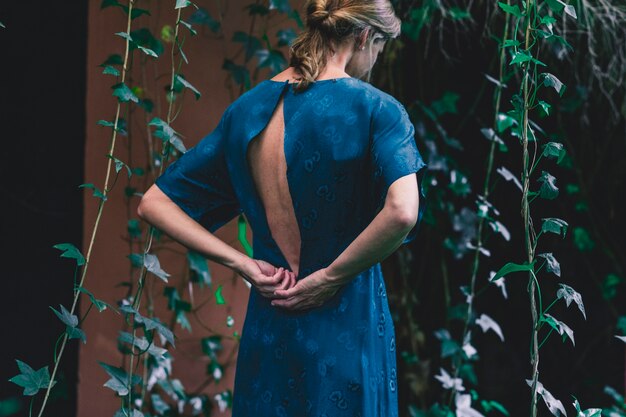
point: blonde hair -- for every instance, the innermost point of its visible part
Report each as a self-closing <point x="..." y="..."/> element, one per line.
<point x="336" y="20"/>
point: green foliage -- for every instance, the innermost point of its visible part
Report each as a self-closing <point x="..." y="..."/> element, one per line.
<point x="198" y="264"/>
<point x="510" y="268"/>
<point x="219" y="298"/>
<point x="29" y="379"/>
<point x="71" y="251"/>
<point x="583" y="240"/>
<point x="120" y="381"/>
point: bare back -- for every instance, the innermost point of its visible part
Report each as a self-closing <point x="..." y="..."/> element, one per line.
<point x="266" y="159"/>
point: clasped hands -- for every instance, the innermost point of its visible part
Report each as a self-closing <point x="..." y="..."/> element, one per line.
<point x="280" y="285"/>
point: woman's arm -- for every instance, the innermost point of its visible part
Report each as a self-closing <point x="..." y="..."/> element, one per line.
<point x="377" y="241"/>
<point x="383" y="235"/>
<point x="159" y="210"/>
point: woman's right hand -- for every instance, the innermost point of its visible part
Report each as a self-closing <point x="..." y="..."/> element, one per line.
<point x="265" y="277"/>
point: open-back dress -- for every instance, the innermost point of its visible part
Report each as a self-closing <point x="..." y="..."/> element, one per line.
<point x="345" y="143"/>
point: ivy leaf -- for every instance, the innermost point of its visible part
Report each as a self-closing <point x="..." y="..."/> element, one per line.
<point x="70" y="320"/>
<point x="609" y="287"/>
<point x="136" y="11"/>
<point x="495" y="81"/>
<point x="163" y="129"/>
<point x="552" y="265"/>
<point x="148" y="51"/>
<point x="215" y="370"/>
<point x="286" y="36"/>
<point x="211" y="346"/>
<point x="554" y="150"/>
<point x="273" y="59"/>
<point x="165" y="132"/>
<point x="29" y="379"/>
<point x="123" y="93"/>
<point x="241" y="236"/>
<point x="559" y="6"/>
<point x="219" y="299"/>
<point x="562" y="328"/>
<point x="76" y="333"/>
<point x="145" y="40"/>
<point x="498" y="227"/>
<point x="582" y="240"/>
<point x="113" y="59"/>
<point x="203" y="17"/>
<point x="447" y="382"/>
<point x="124" y="412"/>
<point x="119" y="165"/>
<point x="180" y="4"/>
<point x="548" y="189"/>
<point x="554" y="225"/>
<point x="520" y="57"/>
<point x="198" y="264"/>
<point x="96" y="191"/>
<point x="109" y="70"/>
<point x="134" y="228"/>
<point x="155" y="324"/>
<point x="70" y="251"/>
<point x="119" y="381"/>
<point x="280" y="5"/>
<point x="121" y="125"/>
<point x="188" y="26"/>
<point x="160" y="406"/>
<point x="463" y="403"/>
<point x="555" y="406"/>
<point x="590" y="412"/>
<point x="504" y="121"/>
<point x="252" y="44"/>
<point x="568" y="293"/>
<point x="512" y="267"/>
<point x="152" y="264"/>
<point x="545" y="107"/>
<point x="490" y="134"/>
<point x="100" y="305"/>
<point x="550" y="80"/>
<point x="183" y="81"/>
<point x="514" y="10"/>
<point x="458" y="13"/>
<point x="485" y="322"/>
<point x="143" y="344"/>
<point x="446" y="104"/>
<point x="508" y="175"/>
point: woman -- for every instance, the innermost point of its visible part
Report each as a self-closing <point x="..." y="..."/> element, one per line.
<point x="323" y="165"/>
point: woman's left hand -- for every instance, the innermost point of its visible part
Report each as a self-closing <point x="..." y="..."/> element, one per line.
<point x="310" y="291"/>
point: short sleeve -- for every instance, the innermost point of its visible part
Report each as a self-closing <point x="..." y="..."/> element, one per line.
<point x="199" y="182"/>
<point x="394" y="154"/>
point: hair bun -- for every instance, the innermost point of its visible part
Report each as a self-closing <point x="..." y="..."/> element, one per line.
<point x="319" y="14"/>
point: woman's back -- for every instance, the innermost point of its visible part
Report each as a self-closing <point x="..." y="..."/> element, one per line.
<point x="311" y="169"/>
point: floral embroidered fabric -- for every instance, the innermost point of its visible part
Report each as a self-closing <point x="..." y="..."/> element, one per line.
<point x="345" y="143"/>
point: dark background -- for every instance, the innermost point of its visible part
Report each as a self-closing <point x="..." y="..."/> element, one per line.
<point x="41" y="166"/>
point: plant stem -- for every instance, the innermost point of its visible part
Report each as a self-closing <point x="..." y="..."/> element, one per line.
<point x="481" y="221"/>
<point x="534" y="359"/>
<point x="148" y="244"/>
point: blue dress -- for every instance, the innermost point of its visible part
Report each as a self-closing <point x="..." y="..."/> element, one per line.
<point x="345" y="142"/>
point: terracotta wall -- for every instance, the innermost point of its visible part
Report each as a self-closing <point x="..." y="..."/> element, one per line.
<point x="109" y="263"/>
